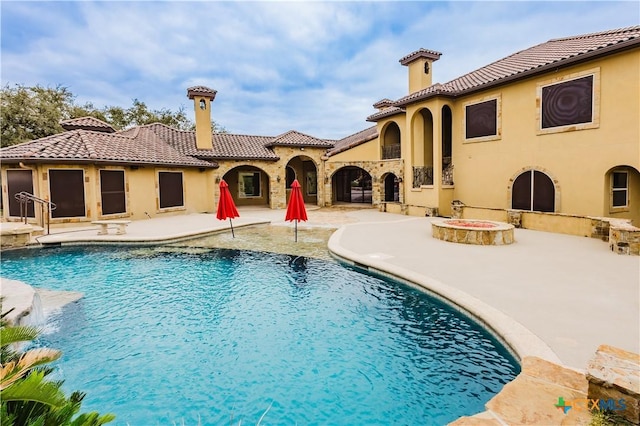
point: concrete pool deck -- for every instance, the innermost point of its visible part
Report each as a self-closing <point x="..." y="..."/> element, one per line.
<point x="549" y="295"/>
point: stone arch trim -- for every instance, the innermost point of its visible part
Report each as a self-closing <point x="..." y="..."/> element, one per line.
<point x="375" y="168"/>
<point x="554" y="180"/>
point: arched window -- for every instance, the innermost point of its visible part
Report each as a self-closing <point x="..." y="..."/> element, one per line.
<point x="391" y="188"/>
<point x="533" y="190"/>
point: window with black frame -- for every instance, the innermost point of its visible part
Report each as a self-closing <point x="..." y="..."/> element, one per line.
<point x="112" y="192"/>
<point x="171" y="189"/>
<point x="481" y="119"/>
<point x="567" y="103"/>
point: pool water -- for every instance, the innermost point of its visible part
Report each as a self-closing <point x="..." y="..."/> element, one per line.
<point x="217" y="336"/>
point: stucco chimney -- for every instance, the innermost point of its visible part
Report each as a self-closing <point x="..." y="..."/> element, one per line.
<point x="420" y="68"/>
<point x="202" y="97"/>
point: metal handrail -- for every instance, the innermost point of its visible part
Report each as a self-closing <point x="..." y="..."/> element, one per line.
<point x="24" y="198"/>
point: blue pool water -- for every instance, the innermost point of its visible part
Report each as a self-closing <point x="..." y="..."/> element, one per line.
<point x="230" y="337"/>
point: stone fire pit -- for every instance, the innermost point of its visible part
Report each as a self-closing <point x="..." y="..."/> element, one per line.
<point x="472" y="231"/>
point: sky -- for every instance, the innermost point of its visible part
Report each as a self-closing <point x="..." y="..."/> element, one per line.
<point x="314" y="67"/>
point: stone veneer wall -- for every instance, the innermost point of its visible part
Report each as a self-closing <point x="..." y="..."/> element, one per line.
<point x="623" y="237"/>
<point x="273" y="169"/>
<point x="377" y="169"/>
<point x="614" y="375"/>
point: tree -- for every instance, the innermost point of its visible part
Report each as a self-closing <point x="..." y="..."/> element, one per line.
<point x="32" y="112"/>
<point x="29" y="113"/>
<point x="26" y="396"/>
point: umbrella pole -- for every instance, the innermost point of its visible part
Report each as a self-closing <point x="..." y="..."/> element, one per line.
<point x="231" y="223"/>
<point x="296" y="230"/>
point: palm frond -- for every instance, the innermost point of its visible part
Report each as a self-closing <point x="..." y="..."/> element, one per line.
<point x="34" y="388"/>
<point x="22" y="333"/>
<point x="12" y="371"/>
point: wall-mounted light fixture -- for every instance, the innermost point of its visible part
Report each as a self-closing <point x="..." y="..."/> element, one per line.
<point x="217" y="179"/>
<point x="203" y="104"/>
<point x="278" y="178"/>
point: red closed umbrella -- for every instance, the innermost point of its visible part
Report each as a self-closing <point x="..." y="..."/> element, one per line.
<point x="295" y="209"/>
<point x="226" y="206"/>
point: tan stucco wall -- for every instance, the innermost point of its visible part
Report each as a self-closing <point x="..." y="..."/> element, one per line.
<point x="141" y="191"/>
<point x="369" y="150"/>
<point x="483" y="170"/>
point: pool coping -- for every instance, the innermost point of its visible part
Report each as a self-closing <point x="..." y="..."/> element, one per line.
<point x="516" y="338"/>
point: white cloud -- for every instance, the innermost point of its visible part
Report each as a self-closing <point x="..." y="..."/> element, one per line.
<point x="316" y="67"/>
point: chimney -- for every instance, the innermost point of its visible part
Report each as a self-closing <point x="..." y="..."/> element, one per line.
<point x="420" y="68"/>
<point x="202" y="97"/>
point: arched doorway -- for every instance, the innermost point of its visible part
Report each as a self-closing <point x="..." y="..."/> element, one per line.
<point x="391" y="188"/>
<point x="352" y="185"/>
<point x="249" y="186"/>
<point x="533" y="190"/>
<point x="304" y="169"/>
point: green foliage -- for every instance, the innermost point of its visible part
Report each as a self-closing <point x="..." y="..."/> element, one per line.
<point x="607" y="418"/>
<point x="27" y="397"/>
<point x="32" y="112"/>
<point x="29" y="113"/>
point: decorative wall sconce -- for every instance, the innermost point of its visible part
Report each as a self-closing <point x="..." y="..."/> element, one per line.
<point x="217" y="179"/>
<point x="203" y="104"/>
<point x="278" y="178"/>
<point x="399" y="180"/>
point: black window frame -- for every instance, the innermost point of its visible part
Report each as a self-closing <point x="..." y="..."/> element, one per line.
<point x="561" y="91"/>
<point x="109" y="193"/>
<point x="59" y="193"/>
<point x="473" y="126"/>
<point x="167" y="181"/>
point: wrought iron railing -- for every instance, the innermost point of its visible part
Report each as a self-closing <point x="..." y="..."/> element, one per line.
<point x="447" y="175"/>
<point x="390" y="151"/>
<point x="24" y="198"/>
<point x="422" y="175"/>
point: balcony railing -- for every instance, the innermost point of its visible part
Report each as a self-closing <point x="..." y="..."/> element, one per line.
<point x="390" y="151"/>
<point x="447" y="171"/>
<point x="422" y="175"/>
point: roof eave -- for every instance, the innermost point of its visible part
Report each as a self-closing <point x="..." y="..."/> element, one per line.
<point x="374" y="118"/>
<point x="247" y="158"/>
<point x="96" y="162"/>
<point x="352" y="145"/>
<point x="574" y="60"/>
<point x="427" y="95"/>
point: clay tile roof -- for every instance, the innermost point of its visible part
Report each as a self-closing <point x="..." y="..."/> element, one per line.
<point x="420" y="53"/>
<point x="138" y="147"/>
<point x="225" y="145"/>
<point x="536" y="59"/>
<point x="354" y="140"/>
<point x="383" y="103"/>
<point x="201" y="91"/>
<point x="87" y="123"/>
<point x="387" y="112"/>
<point x="295" y="138"/>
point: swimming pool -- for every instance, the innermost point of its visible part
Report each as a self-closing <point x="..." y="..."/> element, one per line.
<point x="216" y="336"/>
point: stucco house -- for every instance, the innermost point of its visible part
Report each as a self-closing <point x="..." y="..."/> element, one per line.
<point x="552" y="129"/>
